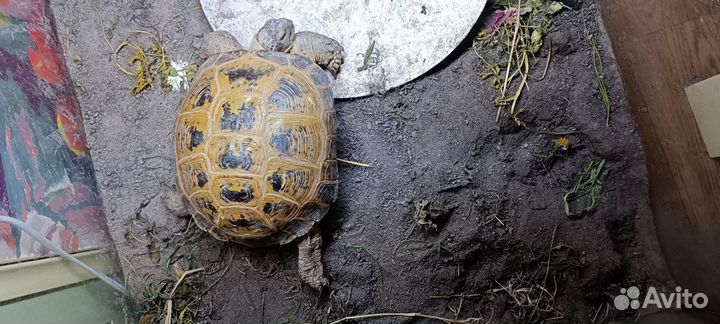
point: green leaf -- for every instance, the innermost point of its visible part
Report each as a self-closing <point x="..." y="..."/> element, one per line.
<point x="524" y="10"/>
<point x="536" y="3"/>
<point x="536" y="40"/>
<point x="554" y="7"/>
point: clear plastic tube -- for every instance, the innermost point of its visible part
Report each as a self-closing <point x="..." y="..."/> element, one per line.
<point x="67" y="256"/>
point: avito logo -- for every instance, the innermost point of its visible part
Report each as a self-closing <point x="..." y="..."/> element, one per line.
<point x="681" y="298"/>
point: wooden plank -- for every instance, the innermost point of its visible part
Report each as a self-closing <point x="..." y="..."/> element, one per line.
<point x="704" y="98"/>
<point x="31" y="277"/>
<point x="642" y="17"/>
<point x="661" y="47"/>
<point x="663" y="61"/>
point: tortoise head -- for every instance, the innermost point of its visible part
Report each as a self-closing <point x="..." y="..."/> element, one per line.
<point x="275" y="35"/>
<point x="219" y="42"/>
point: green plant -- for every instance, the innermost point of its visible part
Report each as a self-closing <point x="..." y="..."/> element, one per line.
<point x="588" y="185"/>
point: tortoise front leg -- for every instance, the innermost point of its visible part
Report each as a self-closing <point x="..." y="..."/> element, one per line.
<point x="216" y="45"/>
<point x="309" y="259"/>
<point x="324" y="51"/>
<point x="173" y="201"/>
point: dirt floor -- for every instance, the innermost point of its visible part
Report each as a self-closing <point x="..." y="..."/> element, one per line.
<point x="497" y="189"/>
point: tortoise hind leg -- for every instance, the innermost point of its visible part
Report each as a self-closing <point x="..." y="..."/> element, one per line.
<point x="309" y="259"/>
<point x="324" y="51"/>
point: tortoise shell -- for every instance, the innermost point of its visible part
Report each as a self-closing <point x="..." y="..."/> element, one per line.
<point x="255" y="147"/>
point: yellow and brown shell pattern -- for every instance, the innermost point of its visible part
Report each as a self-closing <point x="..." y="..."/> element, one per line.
<point x="255" y="148"/>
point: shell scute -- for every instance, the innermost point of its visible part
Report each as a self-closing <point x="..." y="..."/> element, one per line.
<point x="201" y="94"/>
<point x="280" y="210"/>
<point x="292" y="93"/>
<point x="191" y="134"/>
<point x="236" y="190"/>
<point x="243" y="221"/>
<point x="298" y="138"/>
<point x="245" y="74"/>
<point x="237" y="114"/>
<point x="294" y="182"/>
<point x="193" y="174"/>
<point x="235" y="153"/>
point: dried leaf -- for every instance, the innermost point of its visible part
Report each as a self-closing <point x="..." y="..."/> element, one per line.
<point x="149" y="60"/>
<point x="142" y="81"/>
<point x="154" y="253"/>
<point x="191" y="71"/>
<point x="178" y="270"/>
<point x="137" y="56"/>
<point x="165" y="64"/>
<point x="425" y="215"/>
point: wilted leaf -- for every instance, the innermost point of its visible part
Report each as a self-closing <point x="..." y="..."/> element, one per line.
<point x="154" y="252"/>
<point x="191" y="71"/>
<point x="536" y="40"/>
<point x="147" y="318"/>
<point x="535" y="3"/>
<point x="142" y="82"/>
<point x="137" y="56"/>
<point x="425" y="215"/>
<point x="554" y="7"/>
<point x="524" y="10"/>
<point x="178" y="270"/>
<point x="180" y="75"/>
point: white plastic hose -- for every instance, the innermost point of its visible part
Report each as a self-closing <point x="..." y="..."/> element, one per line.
<point x="67" y="256"/>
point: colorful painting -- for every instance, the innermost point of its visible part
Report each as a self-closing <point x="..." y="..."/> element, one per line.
<point x="46" y="174"/>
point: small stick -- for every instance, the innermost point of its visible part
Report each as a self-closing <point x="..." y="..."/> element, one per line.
<point x="547" y="63"/>
<point x="456" y="296"/>
<point x="411" y="315"/>
<point x="364" y="165"/>
<point x="366" y="58"/>
<point x="168" y="311"/>
<point x="512" y="50"/>
<point x="182" y="277"/>
<point x="596" y="313"/>
<point x="568" y="132"/>
<point x="168" y="303"/>
<point x="137" y="239"/>
<point x="607" y="310"/>
<point x="102" y="25"/>
<point x="523" y="82"/>
<point x="262" y="315"/>
<point x="222" y="275"/>
<point x="186" y="12"/>
<point x="459" y="309"/>
<point x="547" y="268"/>
<point x="115" y="57"/>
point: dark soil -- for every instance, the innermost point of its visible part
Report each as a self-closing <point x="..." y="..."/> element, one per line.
<point x="497" y="188"/>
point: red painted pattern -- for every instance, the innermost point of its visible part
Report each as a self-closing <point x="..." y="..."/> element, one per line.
<point x="46" y="175"/>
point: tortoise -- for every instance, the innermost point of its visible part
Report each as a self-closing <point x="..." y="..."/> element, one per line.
<point x="255" y="141"/>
